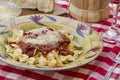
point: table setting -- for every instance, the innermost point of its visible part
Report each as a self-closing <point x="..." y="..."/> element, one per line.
<point x="59" y="40"/>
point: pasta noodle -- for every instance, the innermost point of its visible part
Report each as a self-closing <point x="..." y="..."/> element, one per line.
<point x="53" y="58"/>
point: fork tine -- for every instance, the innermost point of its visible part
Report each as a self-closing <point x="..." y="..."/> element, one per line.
<point x="117" y="61"/>
<point x="12" y="5"/>
<point x="118" y="57"/>
<point x="107" y="76"/>
<point x="15" y="6"/>
<point x="118" y="78"/>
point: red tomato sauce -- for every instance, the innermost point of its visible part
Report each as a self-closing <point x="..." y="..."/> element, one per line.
<point x="60" y="46"/>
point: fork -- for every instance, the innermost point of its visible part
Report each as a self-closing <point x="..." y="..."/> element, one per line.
<point x="13" y="5"/>
<point x="117" y="61"/>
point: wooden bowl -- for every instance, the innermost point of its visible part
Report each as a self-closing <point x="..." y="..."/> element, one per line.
<point x="88" y="15"/>
<point x="90" y="4"/>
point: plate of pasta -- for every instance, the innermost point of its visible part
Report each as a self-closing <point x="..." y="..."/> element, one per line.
<point x="47" y="42"/>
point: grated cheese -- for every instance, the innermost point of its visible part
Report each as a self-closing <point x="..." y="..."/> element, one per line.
<point x="48" y="38"/>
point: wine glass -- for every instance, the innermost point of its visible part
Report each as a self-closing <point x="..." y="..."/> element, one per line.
<point x="113" y="33"/>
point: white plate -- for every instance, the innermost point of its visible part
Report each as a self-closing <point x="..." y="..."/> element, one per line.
<point x="6" y="11"/>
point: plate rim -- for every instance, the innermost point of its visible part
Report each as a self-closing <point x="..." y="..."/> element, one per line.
<point x="55" y="69"/>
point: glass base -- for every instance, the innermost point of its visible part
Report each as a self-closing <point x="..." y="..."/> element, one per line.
<point x="110" y="35"/>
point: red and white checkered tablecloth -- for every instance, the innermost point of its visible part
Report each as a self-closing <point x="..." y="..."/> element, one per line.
<point x="95" y="70"/>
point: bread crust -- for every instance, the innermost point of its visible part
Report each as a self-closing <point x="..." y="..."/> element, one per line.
<point x="46" y="6"/>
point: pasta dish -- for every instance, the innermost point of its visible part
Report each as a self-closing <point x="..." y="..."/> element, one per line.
<point x="42" y="47"/>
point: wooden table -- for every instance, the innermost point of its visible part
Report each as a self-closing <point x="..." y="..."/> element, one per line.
<point x="57" y="11"/>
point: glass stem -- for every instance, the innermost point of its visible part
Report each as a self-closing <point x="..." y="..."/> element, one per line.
<point x="115" y="17"/>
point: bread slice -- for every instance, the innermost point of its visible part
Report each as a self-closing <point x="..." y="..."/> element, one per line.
<point x="42" y="5"/>
<point x="45" y="5"/>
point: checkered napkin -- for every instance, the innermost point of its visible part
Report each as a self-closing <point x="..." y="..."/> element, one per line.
<point x="95" y="70"/>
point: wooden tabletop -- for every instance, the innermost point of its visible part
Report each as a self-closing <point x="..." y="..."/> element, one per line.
<point x="28" y="11"/>
<point x="57" y="11"/>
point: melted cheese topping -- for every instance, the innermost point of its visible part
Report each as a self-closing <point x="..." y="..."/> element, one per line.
<point x="44" y="36"/>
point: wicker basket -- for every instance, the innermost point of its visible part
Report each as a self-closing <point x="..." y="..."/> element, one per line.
<point x="89" y="10"/>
